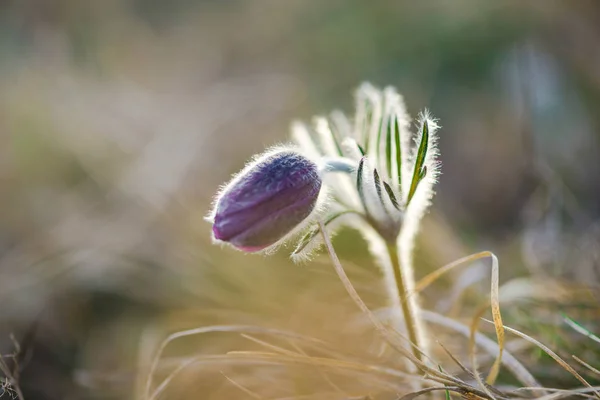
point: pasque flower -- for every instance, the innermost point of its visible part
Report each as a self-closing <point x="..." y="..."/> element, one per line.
<point x="379" y="178"/>
<point x="392" y="182"/>
<point x="383" y="182"/>
<point x="266" y="201"/>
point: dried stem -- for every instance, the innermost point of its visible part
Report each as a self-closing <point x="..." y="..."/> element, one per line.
<point x="410" y="314"/>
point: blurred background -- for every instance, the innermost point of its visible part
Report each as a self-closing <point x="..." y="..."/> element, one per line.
<point x="119" y="119"/>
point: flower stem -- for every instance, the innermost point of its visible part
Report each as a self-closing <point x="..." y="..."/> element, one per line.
<point x="408" y="306"/>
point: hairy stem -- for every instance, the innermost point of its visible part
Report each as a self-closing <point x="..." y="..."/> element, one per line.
<point x="408" y="306"/>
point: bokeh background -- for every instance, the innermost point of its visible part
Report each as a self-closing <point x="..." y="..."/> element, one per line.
<point x="119" y="119"/>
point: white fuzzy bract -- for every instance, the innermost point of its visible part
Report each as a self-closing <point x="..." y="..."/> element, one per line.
<point x="391" y="185"/>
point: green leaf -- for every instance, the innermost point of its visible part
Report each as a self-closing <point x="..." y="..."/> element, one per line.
<point x="580" y="328"/>
<point x="391" y="195"/>
<point x="420" y="170"/>
<point x="398" y="150"/>
<point x="446" y="390"/>
<point x="378" y="185"/>
<point x="360" y="148"/>
<point x="379" y="191"/>
<point x="305" y="240"/>
<point x="388" y="145"/>
<point x="359" y="182"/>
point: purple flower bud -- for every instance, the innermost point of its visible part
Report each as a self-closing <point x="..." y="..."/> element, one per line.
<point x="266" y="201"/>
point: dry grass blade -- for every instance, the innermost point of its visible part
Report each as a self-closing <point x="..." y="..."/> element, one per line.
<point x="562" y="393"/>
<point x="508" y="360"/>
<point x="463" y="368"/>
<point x="324" y="396"/>
<point x="381" y="329"/>
<point x="299" y="351"/>
<point x="435" y="275"/>
<point x="552" y="354"/>
<point x="323" y="362"/>
<point x="494" y="301"/>
<point x="10" y="381"/>
<point x="242" y="388"/>
<point x="556" y="393"/>
<point x="272" y="347"/>
<point x="320" y="395"/>
<point x="497" y="317"/>
<point x="264" y="358"/>
<point x="211" y="329"/>
<point x="453" y="358"/>
<point x="472" y="349"/>
<point x="319" y="370"/>
<point x="421" y="392"/>
<point x="586" y="365"/>
<point x="469" y="373"/>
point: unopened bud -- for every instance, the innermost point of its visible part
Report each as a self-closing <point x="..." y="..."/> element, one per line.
<point x="266" y="201"/>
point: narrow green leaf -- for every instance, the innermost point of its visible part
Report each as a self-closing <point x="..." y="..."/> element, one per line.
<point x="379" y="191"/>
<point x="388" y="145"/>
<point x="378" y="185"/>
<point x="580" y="328"/>
<point x="359" y="182"/>
<point x="391" y="195"/>
<point x="360" y="148"/>
<point x="305" y="240"/>
<point x="398" y="151"/>
<point x="446" y="390"/>
<point x="419" y="171"/>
